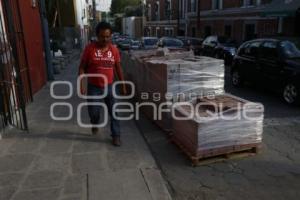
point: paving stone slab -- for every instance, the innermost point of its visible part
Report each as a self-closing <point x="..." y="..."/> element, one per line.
<point x="44" y="194"/>
<point x="120" y="185"/>
<point x="15" y="163"/>
<point x="89" y="162"/>
<point x="7" y="193"/>
<point x="10" y="179"/>
<point x="43" y="179"/>
<point x="52" y="162"/>
<point x="74" y="184"/>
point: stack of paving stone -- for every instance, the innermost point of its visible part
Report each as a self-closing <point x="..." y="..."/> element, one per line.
<point x="217" y="126"/>
<point x="171" y="77"/>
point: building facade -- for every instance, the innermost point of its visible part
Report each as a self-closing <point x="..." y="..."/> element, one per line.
<point x="238" y="19"/>
<point x="161" y="17"/>
<point x="22" y="59"/>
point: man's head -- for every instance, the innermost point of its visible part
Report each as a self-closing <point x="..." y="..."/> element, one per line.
<point x="103" y="33"/>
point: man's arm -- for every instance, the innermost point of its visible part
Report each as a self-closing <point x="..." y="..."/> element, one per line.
<point x="81" y="71"/>
<point x="121" y="76"/>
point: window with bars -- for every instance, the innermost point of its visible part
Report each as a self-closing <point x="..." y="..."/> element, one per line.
<point x="157" y="11"/>
<point x="193" y="6"/>
<point x="217" y="4"/>
<point x="168" y="9"/>
<point x="248" y="3"/>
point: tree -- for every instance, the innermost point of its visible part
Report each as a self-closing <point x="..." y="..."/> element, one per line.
<point x="133" y="11"/>
<point x="118" y="6"/>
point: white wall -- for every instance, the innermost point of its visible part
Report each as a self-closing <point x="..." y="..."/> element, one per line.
<point x="82" y="20"/>
<point x="129" y="26"/>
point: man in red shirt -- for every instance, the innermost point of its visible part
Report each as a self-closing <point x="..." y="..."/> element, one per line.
<point x="101" y="57"/>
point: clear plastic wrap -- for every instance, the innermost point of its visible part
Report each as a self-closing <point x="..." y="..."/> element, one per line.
<point x="199" y="76"/>
<point x="235" y="125"/>
<point x="179" y="75"/>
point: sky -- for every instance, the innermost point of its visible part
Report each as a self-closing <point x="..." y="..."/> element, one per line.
<point x="103" y="5"/>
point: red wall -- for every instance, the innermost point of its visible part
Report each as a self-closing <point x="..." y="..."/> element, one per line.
<point x="33" y="36"/>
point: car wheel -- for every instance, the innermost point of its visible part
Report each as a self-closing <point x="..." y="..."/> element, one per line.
<point x="236" y="78"/>
<point x="291" y="94"/>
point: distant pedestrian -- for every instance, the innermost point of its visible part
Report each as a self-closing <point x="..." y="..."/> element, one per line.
<point x="102" y="57"/>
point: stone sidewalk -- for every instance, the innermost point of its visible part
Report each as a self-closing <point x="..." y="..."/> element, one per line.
<point x="58" y="160"/>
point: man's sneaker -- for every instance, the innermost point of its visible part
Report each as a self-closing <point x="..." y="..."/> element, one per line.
<point x="116" y="141"/>
<point x="94" y="130"/>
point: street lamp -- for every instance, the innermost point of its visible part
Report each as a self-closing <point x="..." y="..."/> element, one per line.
<point x="143" y="3"/>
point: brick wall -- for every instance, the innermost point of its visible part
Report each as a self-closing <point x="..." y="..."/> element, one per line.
<point x="175" y="9"/>
<point x="205" y="5"/>
<point x="268" y="27"/>
<point x="232" y="3"/>
<point x="266" y="1"/>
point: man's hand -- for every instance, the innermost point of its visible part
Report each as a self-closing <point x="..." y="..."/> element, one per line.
<point x="82" y="90"/>
<point x="124" y="89"/>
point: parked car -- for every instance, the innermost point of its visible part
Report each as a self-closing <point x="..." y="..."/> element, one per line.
<point x="192" y="43"/>
<point x="125" y="44"/>
<point x="135" y="45"/>
<point x="219" y="47"/>
<point x="271" y="63"/>
<point x="170" y="42"/>
<point x="149" y="42"/>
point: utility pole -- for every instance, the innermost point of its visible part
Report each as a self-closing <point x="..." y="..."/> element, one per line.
<point x="143" y="3"/>
<point x="178" y="17"/>
<point x="186" y="17"/>
<point x="198" y="19"/>
<point x="94" y="14"/>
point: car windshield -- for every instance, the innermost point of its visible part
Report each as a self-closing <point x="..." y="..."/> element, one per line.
<point x="135" y="43"/>
<point x="291" y="49"/>
<point x="173" y="43"/>
<point x="196" y="42"/>
<point x="150" y="42"/>
<point x="226" y="41"/>
<point x="126" y="42"/>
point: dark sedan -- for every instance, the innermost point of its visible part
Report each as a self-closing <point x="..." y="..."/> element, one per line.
<point x="191" y="43"/>
<point x="270" y="63"/>
<point x="170" y="42"/>
<point x="219" y="47"/>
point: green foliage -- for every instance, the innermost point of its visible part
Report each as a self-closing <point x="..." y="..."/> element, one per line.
<point x="118" y="6"/>
<point x="133" y="11"/>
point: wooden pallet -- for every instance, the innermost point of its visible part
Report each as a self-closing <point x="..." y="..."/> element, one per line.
<point x="219" y="154"/>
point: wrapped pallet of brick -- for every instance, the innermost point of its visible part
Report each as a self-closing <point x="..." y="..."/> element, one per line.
<point x="181" y="80"/>
<point x="219" y="126"/>
<point x="133" y="67"/>
<point x="178" y="75"/>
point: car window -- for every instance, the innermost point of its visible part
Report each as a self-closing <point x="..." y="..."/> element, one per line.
<point x="196" y="42"/>
<point x="207" y="40"/>
<point x="222" y="39"/>
<point x="269" y="50"/>
<point x="150" y="42"/>
<point x="172" y="43"/>
<point x="290" y="49"/>
<point x="213" y="39"/>
<point x="185" y="41"/>
<point x="135" y="42"/>
<point x="252" y="49"/>
<point x="242" y="48"/>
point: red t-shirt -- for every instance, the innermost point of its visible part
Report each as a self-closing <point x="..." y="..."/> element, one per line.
<point x="102" y="62"/>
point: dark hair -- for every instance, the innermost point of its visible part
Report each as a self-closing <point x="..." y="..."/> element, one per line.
<point x="103" y="26"/>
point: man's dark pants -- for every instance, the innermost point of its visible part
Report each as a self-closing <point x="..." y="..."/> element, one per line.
<point x="94" y="110"/>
